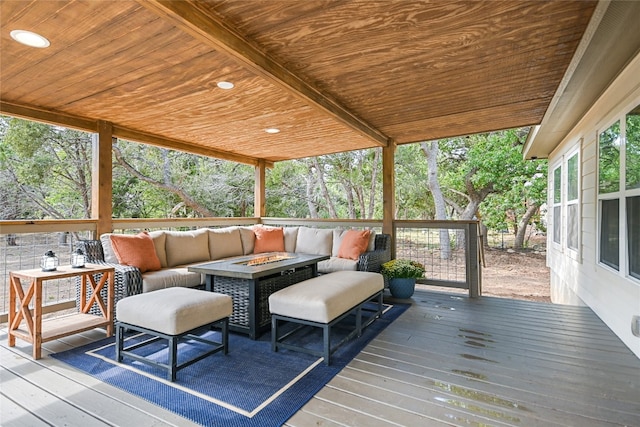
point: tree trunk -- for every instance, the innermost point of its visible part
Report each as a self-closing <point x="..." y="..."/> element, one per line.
<point x="374" y="181"/>
<point x="323" y="188"/>
<point x="430" y="151"/>
<point x="166" y="184"/>
<point x="313" y="209"/>
<point x="522" y="225"/>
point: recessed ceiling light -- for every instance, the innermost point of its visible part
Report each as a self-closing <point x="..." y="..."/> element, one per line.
<point x="272" y="130"/>
<point x="29" y="38"/>
<point x="225" y="85"/>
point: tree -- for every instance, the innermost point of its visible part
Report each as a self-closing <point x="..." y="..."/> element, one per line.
<point x="430" y="150"/>
<point x="49" y="166"/>
<point x="491" y="164"/>
<point x="167" y="183"/>
<point x="343" y="185"/>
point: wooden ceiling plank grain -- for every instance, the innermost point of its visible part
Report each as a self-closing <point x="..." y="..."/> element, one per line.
<point x="51" y="117"/>
<point x="136" y="136"/>
<point x="193" y="19"/>
<point x="409" y="69"/>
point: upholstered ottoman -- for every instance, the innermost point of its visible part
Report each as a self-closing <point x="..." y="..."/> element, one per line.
<point x="172" y="314"/>
<point x="322" y="302"/>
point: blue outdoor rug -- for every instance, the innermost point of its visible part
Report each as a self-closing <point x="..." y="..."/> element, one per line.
<point x="250" y="386"/>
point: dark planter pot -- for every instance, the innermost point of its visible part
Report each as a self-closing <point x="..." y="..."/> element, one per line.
<point x="402" y="288"/>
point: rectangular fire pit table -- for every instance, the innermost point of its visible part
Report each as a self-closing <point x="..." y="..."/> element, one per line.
<point x="250" y="279"/>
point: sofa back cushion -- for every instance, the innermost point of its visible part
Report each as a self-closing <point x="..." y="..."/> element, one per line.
<point x="107" y="249"/>
<point x="137" y="251"/>
<point x="268" y="239"/>
<point x="187" y="247"/>
<point x="224" y="243"/>
<point x="290" y="236"/>
<point x="372" y="241"/>
<point x="248" y="238"/>
<point x="159" y="239"/>
<point x="316" y="241"/>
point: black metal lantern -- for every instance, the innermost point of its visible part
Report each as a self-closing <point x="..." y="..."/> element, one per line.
<point x="77" y="258"/>
<point x="49" y="261"/>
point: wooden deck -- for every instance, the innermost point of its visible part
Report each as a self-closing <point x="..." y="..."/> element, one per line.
<point x="448" y="360"/>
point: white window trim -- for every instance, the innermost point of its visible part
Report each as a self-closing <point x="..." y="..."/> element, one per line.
<point x="558" y="246"/>
<point x="574" y="253"/>
<point x="621" y="195"/>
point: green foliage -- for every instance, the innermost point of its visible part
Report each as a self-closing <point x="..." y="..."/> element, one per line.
<point x="341" y="185"/>
<point x="413" y="200"/>
<point x="402" y="269"/>
<point x="49" y="166"/>
<point x="609" y="159"/>
<point x="633" y="149"/>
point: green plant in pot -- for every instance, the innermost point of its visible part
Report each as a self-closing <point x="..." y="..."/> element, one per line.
<point x="402" y="275"/>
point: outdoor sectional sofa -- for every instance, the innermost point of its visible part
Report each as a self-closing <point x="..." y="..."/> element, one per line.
<point x="177" y="250"/>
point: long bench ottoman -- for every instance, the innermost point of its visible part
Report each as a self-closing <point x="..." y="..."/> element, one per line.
<point x="172" y="314"/>
<point x="322" y="302"/>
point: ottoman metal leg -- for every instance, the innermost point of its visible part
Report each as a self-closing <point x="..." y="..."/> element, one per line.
<point x="172" y="366"/>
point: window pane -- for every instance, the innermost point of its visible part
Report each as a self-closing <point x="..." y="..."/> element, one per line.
<point x="609" y="159"/>
<point x="572" y="178"/>
<point x="633" y="149"/>
<point x="633" y="227"/>
<point x="556" y="224"/>
<point x="557" y="185"/>
<point x="609" y="233"/>
<point x="572" y="226"/>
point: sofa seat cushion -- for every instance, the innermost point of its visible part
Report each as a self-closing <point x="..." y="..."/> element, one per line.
<point x="170" y="278"/>
<point x="337" y="264"/>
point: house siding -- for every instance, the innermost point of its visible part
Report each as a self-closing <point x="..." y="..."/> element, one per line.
<point x="578" y="278"/>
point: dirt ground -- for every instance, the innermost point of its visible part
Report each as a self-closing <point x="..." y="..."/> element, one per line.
<point x="517" y="275"/>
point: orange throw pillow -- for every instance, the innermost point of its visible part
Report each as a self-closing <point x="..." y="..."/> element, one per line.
<point x="268" y="240"/>
<point x="354" y="244"/>
<point x="137" y="251"/>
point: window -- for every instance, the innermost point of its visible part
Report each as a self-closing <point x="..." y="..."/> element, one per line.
<point x="632" y="187"/>
<point x="573" y="210"/>
<point x="633" y="149"/>
<point x="609" y="184"/>
<point x="610" y="233"/>
<point x="557" y="204"/>
<point x="619" y="194"/>
<point x="633" y="228"/>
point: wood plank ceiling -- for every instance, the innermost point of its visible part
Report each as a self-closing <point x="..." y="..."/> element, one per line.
<point x="331" y="75"/>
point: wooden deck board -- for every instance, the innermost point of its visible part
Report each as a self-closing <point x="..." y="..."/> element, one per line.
<point x="448" y="360"/>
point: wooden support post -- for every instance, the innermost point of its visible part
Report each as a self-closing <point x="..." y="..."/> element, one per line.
<point x="101" y="181"/>
<point x="389" y="194"/>
<point x="473" y="261"/>
<point x="259" y="206"/>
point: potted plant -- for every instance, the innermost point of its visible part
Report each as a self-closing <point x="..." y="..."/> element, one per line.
<point x="402" y="275"/>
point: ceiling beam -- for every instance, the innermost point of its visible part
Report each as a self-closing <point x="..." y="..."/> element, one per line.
<point x="47" y="116"/>
<point x="191" y="17"/>
<point x="174" y="144"/>
<point x="90" y="125"/>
